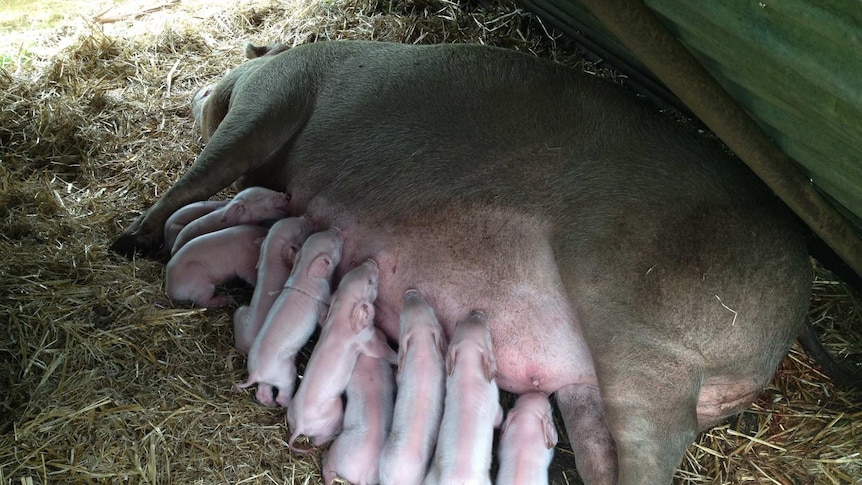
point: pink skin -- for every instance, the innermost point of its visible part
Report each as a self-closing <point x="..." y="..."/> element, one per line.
<point x="527" y="441"/>
<point x="210" y="260"/>
<point x="276" y="260"/>
<point x="355" y="454"/>
<point x="251" y="206"/>
<point x="421" y="390"/>
<point x="186" y="215"/>
<point x="472" y="407"/>
<point x="292" y="319"/>
<point x="347" y="333"/>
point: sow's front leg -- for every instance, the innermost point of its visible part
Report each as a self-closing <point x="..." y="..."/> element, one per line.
<point x="262" y="115"/>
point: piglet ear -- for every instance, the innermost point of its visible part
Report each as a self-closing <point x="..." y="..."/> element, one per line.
<point x="320" y="267"/>
<point x="438" y="341"/>
<point x="362" y="316"/>
<point x="508" y="420"/>
<point x="450" y="360"/>
<point x="551" y="437"/>
<point x="489" y="363"/>
<point x="260" y="259"/>
<point x="233" y="211"/>
<point x="402" y="353"/>
<point x="288" y="254"/>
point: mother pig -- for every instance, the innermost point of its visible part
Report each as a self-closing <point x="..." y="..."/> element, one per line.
<point x="632" y="268"/>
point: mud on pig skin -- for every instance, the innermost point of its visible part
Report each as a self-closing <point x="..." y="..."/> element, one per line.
<point x="421" y="382"/>
<point x="279" y="249"/>
<point x="347" y="333"/>
<point x="251" y="206"/>
<point x="527" y="440"/>
<point x="471" y="408"/>
<point x="213" y="259"/>
<point x="355" y="454"/>
<point x="293" y="318"/>
<point x="625" y="263"/>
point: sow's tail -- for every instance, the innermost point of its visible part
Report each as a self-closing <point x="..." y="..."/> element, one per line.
<point x="842" y="375"/>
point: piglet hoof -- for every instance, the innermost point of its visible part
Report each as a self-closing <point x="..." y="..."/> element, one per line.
<point x="264" y="393"/>
<point x="292" y="445"/>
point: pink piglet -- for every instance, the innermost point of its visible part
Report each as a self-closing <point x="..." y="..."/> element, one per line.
<point x="251" y="206"/>
<point x="292" y="319"/>
<point x="472" y="408"/>
<point x="421" y="389"/>
<point x="347" y="333"/>
<point x="355" y="454"/>
<point x="527" y="441"/>
<point x="273" y="268"/>
<point x="216" y="258"/>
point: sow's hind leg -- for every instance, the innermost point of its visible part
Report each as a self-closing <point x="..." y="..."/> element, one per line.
<point x="684" y="329"/>
<point x="589" y="435"/>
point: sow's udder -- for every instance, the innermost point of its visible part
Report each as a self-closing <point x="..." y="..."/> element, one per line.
<point x="485" y="261"/>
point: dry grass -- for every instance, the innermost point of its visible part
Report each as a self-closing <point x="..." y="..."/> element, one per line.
<point x="101" y="381"/>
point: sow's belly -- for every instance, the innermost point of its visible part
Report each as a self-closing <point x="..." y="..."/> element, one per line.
<point x="496" y="262"/>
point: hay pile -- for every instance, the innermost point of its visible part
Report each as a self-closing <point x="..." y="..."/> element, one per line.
<point x="102" y="381"/>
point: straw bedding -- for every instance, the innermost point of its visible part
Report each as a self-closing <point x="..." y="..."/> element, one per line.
<point x="103" y="381"/>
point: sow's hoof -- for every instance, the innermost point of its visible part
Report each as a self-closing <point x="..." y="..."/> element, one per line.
<point x="129" y="244"/>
